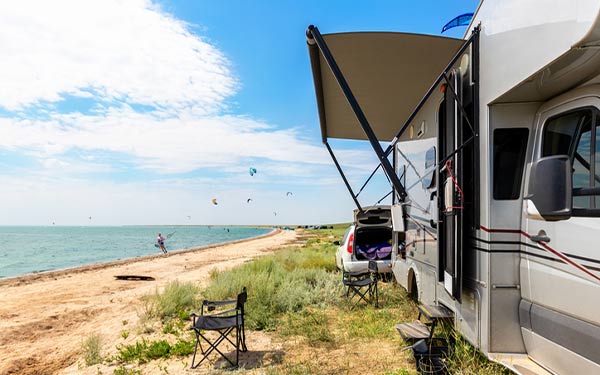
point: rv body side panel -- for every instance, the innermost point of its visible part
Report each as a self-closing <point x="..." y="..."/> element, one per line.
<point x="411" y="155"/>
<point x="510" y="131"/>
<point x="519" y="39"/>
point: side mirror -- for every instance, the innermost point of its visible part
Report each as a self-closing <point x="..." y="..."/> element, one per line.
<point x="550" y="188"/>
<point x="336" y="243"/>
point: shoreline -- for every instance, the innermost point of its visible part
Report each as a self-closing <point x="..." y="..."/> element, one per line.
<point x="45" y="318"/>
<point x="40" y="276"/>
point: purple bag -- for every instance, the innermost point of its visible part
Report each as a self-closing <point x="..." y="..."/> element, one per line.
<point x="384" y="251"/>
<point x="369" y="253"/>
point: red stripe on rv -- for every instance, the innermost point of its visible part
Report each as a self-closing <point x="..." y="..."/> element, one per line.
<point x="548" y="248"/>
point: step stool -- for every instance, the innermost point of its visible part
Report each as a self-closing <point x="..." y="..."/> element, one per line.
<point x="418" y="330"/>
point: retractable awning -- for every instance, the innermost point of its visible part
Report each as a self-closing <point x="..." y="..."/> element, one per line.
<point x="389" y="73"/>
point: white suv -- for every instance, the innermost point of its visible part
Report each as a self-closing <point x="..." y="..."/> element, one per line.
<point x="368" y="238"/>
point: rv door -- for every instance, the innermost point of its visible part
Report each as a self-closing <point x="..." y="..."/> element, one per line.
<point x="450" y="200"/>
<point x="560" y="269"/>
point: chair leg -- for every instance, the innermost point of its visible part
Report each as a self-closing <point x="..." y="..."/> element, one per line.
<point x="243" y="342"/>
<point x="362" y="296"/>
<point x="375" y="295"/>
<point x="213" y="346"/>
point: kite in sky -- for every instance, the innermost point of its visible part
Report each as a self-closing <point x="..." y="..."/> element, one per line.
<point x="248" y="200"/>
<point x="462" y="20"/>
<point x="252" y="171"/>
<point x="214" y="201"/>
<point x="289" y="194"/>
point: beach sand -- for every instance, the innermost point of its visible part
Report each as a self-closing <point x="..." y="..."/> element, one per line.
<point x="44" y="318"/>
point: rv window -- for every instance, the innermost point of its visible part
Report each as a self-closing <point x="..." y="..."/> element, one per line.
<point x="510" y="146"/>
<point x="560" y="132"/>
<point x="597" y="157"/>
<point x="581" y="165"/>
<point x="573" y="134"/>
<point x="428" y="180"/>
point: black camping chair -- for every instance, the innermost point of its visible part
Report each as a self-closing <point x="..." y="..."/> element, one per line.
<point x="223" y="322"/>
<point x="362" y="286"/>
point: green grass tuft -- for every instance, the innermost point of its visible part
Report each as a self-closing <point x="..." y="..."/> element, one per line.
<point x="122" y="370"/>
<point x="467" y="360"/>
<point x="310" y="323"/>
<point x="145" y="351"/>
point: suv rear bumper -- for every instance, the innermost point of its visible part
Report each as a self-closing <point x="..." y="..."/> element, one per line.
<point x="384" y="266"/>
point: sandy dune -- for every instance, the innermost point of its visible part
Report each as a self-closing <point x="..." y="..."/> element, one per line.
<point x="44" y="318"/>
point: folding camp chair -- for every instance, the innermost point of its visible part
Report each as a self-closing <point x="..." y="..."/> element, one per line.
<point x="362" y="286"/>
<point x="223" y="322"/>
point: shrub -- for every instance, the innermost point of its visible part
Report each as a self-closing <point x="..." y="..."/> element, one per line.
<point x="144" y="351"/>
<point x="287" y="281"/>
<point x="157" y="349"/>
<point x="92" y="347"/>
<point x="182" y="348"/>
<point x="176" y="300"/>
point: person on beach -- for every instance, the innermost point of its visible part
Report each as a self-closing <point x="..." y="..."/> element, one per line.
<point x="161" y="242"/>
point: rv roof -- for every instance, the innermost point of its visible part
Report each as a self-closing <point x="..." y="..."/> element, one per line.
<point x="388" y="73"/>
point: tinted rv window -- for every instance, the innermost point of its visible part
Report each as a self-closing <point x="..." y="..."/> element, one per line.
<point x="510" y="146"/>
<point x="597" y="163"/>
<point x="572" y="134"/>
<point x="560" y="131"/>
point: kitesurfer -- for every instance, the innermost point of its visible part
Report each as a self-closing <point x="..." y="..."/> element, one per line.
<point x="160" y="240"/>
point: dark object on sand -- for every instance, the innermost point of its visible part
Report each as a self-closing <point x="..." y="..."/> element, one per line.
<point x="134" y="277"/>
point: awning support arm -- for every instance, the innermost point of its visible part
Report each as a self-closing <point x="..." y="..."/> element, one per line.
<point x="337" y="165"/>
<point x="314" y="33"/>
<point x="368" y="179"/>
<point x="385" y="196"/>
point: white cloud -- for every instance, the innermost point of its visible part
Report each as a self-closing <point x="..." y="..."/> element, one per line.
<point x="122" y="54"/>
<point x="171" y="145"/>
<point x="159" y="100"/>
<point x="114" y="50"/>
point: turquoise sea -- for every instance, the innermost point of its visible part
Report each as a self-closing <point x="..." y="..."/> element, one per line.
<point x="26" y="250"/>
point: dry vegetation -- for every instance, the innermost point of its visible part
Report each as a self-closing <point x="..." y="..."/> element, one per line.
<point x="297" y="323"/>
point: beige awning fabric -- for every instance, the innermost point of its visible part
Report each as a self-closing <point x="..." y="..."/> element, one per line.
<point x="388" y="73"/>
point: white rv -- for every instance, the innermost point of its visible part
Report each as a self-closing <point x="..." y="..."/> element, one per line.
<point x="494" y="162"/>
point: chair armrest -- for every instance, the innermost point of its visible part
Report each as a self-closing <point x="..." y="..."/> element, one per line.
<point x="218" y="303"/>
<point x="231" y="312"/>
<point x="355" y="275"/>
<point x="193" y="316"/>
<point x="211" y="305"/>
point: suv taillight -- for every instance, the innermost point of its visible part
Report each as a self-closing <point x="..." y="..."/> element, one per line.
<point x="350" y="243"/>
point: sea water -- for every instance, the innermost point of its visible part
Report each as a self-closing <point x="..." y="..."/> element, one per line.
<point x="26" y="250"/>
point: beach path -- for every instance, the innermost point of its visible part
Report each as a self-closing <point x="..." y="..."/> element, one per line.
<point x="44" y="318"/>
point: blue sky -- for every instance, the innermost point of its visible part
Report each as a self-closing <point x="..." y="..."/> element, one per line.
<point x="142" y="112"/>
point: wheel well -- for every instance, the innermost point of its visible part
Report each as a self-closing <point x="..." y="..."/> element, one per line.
<point x="413" y="288"/>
